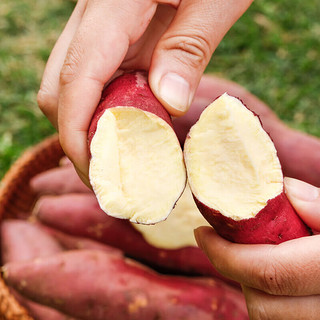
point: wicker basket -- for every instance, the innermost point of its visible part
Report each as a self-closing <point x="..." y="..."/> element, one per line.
<point x="16" y="197"/>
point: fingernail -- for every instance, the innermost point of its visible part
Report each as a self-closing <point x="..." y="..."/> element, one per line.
<point x="175" y="91"/>
<point x="301" y="190"/>
<point x="197" y="237"/>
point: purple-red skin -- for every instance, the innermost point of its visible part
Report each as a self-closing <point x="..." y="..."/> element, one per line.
<point x="275" y="223"/>
<point x="131" y="90"/>
<point x="39" y="311"/>
<point x="80" y="215"/>
<point x="70" y="242"/>
<point x="58" y="180"/>
<point x="22" y="240"/>
<point x="93" y="284"/>
<point x="128" y="90"/>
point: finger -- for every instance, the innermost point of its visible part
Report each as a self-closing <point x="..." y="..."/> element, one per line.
<point x="96" y="52"/>
<point x="290" y="268"/>
<point x="264" y="306"/>
<point x="184" y="51"/>
<point x="305" y="198"/>
<point x="49" y="89"/>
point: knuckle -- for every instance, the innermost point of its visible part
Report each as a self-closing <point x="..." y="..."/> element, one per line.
<point x="275" y="279"/>
<point x="257" y="306"/>
<point x="67" y="74"/>
<point x="258" y="311"/>
<point x="42" y="98"/>
<point x="46" y="101"/>
<point x="69" y="70"/>
<point x="48" y="104"/>
<point x="194" y="50"/>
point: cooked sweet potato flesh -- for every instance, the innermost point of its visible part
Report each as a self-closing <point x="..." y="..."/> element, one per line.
<point x="232" y="163"/>
<point x="137" y="169"/>
<point x="177" y="230"/>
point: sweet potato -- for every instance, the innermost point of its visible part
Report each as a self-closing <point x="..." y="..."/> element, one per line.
<point x="38" y="311"/>
<point x="92" y="284"/>
<point x="70" y="242"/>
<point x="136" y="166"/>
<point x="236" y="178"/>
<point x="80" y="215"/>
<point x="58" y="180"/>
<point x="23" y="241"/>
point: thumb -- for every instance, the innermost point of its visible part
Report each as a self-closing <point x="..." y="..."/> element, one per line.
<point x="184" y="50"/>
<point x="305" y="198"/>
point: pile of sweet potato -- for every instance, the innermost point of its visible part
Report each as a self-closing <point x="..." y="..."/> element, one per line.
<point x="69" y="260"/>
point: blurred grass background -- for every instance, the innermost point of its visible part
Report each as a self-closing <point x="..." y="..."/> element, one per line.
<point x="273" y="50"/>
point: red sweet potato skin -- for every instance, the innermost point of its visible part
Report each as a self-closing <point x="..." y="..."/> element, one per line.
<point x="59" y="180"/>
<point x="131" y="90"/>
<point x="275" y="223"/>
<point x="38" y="311"/>
<point x="86" y="219"/>
<point x="70" y="242"/>
<point x="91" y="284"/>
<point x="22" y="240"/>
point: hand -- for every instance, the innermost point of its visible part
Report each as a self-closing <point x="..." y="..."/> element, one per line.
<point x="278" y="281"/>
<point x="173" y="39"/>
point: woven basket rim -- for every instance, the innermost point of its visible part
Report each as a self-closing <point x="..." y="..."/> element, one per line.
<point x="15" y="183"/>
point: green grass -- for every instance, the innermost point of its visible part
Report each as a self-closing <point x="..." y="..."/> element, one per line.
<point x="28" y="31"/>
<point x="273" y="50"/>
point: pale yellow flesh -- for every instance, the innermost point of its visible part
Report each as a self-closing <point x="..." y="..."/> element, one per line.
<point x="177" y="230"/>
<point x="137" y="170"/>
<point x="231" y="161"/>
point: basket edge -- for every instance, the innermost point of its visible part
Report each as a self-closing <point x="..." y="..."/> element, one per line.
<point x="10" y="309"/>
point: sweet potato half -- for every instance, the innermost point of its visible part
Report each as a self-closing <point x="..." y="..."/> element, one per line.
<point x="236" y="178"/>
<point x="136" y="167"/>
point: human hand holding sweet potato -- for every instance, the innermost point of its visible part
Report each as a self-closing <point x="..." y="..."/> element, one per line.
<point x="279" y="281"/>
<point x="297" y="151"/>
<point x="236" y="178"/>
<point x="136" y="166"/>
<point x="173" y="39"/>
